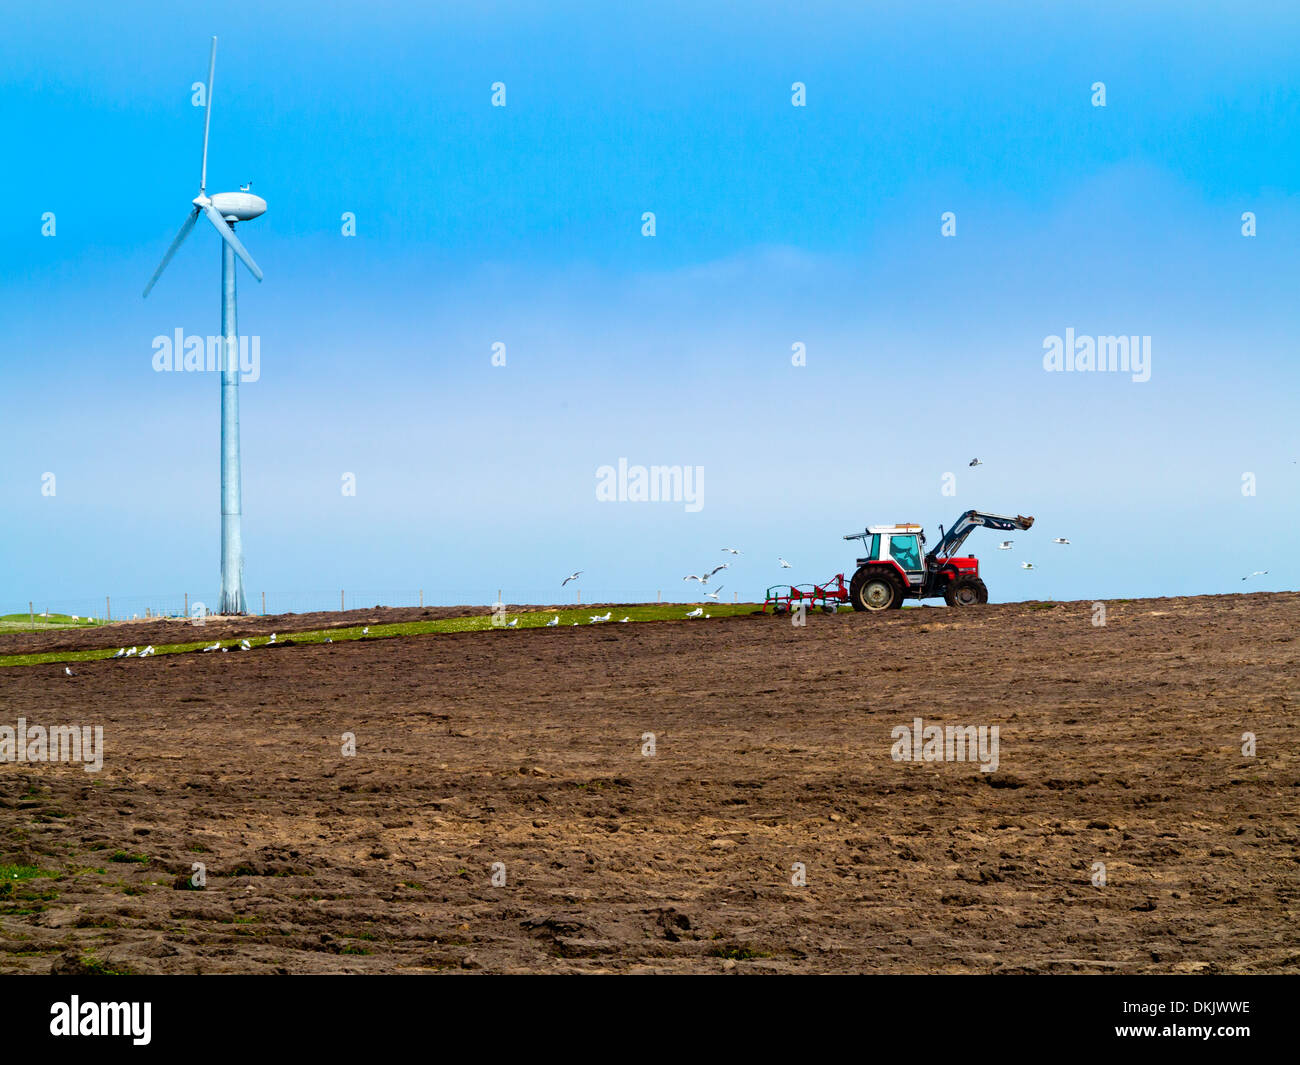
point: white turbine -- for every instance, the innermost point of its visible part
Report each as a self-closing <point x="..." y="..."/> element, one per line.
<point x="221" y="210"/>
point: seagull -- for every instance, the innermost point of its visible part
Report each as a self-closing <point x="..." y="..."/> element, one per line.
<point x="120" y="652"/>
<point x="328" y="640"/>
<point x="131" y="653"/>
<point x="272" y="639"/>
<point x="553" y="622"/>
<point x="731" y="550"/>
<point x="1026" y="565"/>
<point x="514" y="624"/>
<point x="244" y="645"/>
<point x="215" y="647"/>
<point x="67" y="671"/>
<point x="713" y="594"/>
<point x="597" y="618"/>
<point x="571" y="577"/>
<point x="365" y="631"/>
<point x="718" y="569"/>
<point x="696" y="612"/>
<point x="1005" y="545"/>
<point x="245" y="188"/>
<point x="1060" y="540"/>
<point x="784" y="563"/>
<point x="147" y="651"/>
<point x="575" y="624"/>
<point x="975" y="462"/>
<point x="1257" y="573"/>
<point x="621" y="620"/>
<point x="694" y="578"/>
<point x="75" y="618"/>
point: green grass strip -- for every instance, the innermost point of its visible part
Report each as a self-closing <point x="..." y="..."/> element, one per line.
<point x="471" y="623"/>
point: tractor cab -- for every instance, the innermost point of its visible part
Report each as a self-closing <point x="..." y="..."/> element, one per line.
<point x="902" y="544"/>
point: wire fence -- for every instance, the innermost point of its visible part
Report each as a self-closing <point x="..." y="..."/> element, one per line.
<point x="96" y="609"/>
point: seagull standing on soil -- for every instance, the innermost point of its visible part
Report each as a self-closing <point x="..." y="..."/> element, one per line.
<point x="696" y="612"/>
<point x="67" y="671"/>
<point x="621" y="620"/>
<point x="553" y="622"/>
<point x="513" y="624"/>
<point x="571" y="577"/>
<point x="215" y="647"/>
<point x="244" y="645"/>
<point x="272" y="639"/>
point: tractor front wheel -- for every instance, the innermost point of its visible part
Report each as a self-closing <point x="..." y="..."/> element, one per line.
<point x="875" y="591"/>
<point x="965" y="591"/>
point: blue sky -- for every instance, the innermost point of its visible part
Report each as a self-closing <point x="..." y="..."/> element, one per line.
<point x="775" y="225"/>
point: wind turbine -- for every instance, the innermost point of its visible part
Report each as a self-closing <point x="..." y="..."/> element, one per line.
<point x="222" y="210"/>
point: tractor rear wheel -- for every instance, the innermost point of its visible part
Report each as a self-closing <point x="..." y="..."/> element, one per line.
<point x="965" y="591"/>
<point x="875" y="590"/>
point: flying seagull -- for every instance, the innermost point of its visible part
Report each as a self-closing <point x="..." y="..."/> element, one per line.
<point x="1060" y="540"/>
<point x="1026" y="565"/>
<point x="1005" y="545"/>
<point x="714" y="594"/>
<point x="731" y="550"/>
<point x="553" y="622"/>
<point x="696" y="612"/>
<point x="718" y="569"/>
<point x="571" y="577"/>
<point x="975" y="462"/>
<point x="784" y="563"/>
<point x="1257" y="573"/>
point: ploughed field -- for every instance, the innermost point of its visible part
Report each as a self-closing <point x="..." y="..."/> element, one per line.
<point x="507" y="810"/>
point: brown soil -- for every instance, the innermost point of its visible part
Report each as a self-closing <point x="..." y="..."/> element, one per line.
<point x="1120" y="744"/>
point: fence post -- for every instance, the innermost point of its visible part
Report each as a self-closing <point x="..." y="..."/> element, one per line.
<point x="341" y="606"/>
<point x="661" y="595"/>
<point x="108" y="609"/>
<point x="263" y="604"/>
<point x="32" y="611"/>
<point x="421" y="597"/>
<point x="187" y="604"/>
<point x="579" y="597"/>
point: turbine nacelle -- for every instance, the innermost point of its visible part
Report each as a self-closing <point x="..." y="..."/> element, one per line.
<point x="234" y="206"/>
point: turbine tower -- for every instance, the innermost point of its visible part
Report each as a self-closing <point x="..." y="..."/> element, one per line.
<point x="223" y="210"/>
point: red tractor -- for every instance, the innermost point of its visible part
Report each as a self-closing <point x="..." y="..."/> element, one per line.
<point x="895" y="568"/>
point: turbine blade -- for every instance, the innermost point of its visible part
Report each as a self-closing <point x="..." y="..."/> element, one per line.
<point x="180" y="239"/>
<point x="228" y="235"/>
<point x="207" y="117"/>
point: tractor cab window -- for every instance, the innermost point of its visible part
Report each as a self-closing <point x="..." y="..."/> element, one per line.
<point x="874" y="551"/>
<point x="905" y="551"/>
